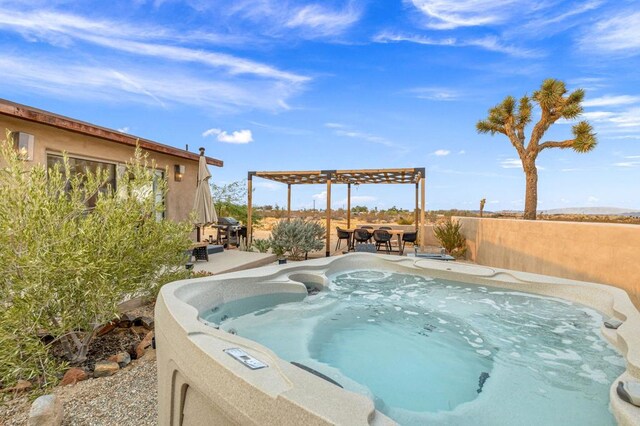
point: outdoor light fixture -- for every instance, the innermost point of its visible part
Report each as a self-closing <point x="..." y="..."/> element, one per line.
<point x="23" y="143"/>
<point x="179" y="172"/>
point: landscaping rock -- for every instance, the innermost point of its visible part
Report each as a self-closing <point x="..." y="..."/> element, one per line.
<point x="145" y="322"/>
<point x="122" y="358"/>
<point x="144" y="344"/>
<point x="73" y="376"/>
<point x="126" y="320"/>
<point x="105" y="368"/>
<point x="46" y="411"/>
<point x="106" y="328"/>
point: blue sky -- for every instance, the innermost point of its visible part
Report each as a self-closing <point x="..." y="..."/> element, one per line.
<point x="284" y="85"/>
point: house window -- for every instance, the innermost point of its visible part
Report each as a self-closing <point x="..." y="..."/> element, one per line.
<point x="159" y="197"/>
<point x="81" y="166"/>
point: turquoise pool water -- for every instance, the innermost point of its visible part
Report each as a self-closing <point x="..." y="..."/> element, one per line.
<point x="431" y="351"/>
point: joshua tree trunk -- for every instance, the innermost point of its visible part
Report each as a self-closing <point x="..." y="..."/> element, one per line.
<point x="531" y="193"/>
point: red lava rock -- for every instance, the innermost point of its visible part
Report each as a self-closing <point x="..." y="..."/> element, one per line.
<point x="144" y="344"/>
<point x="106" y="328"/>
<point x="73" y="376"/>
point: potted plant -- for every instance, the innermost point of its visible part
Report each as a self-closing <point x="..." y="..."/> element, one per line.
<point x="279" y="251"/>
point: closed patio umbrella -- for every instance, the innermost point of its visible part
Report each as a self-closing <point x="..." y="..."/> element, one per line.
<point x="203" y="203"/>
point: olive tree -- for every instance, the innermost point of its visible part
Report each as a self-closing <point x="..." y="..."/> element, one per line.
<point x="65" y="268"/>
<point x="511" y="118"/>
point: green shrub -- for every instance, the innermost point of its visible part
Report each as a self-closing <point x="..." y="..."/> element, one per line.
<point x="297" y="237"/>
<point x="402" y="220"/>
<point x="230" y="200"/>
<point x="64" y="269"/>
<point x="449" y="236"/>
<point x="262" y="245"/>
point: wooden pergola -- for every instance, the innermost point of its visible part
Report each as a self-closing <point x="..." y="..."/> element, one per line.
<point x="415" y="176"/>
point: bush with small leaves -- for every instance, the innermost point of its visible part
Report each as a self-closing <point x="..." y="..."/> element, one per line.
<point x="64" y="268"/>
<point x="297" y="237"/>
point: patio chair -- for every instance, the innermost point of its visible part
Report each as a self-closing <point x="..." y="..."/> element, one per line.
<point x="342" y="235"/>
<point x="381" y="236"/>
<point x="360" y="236"/>
<point x="370" y="232"/>
<point x="409" y="237"/>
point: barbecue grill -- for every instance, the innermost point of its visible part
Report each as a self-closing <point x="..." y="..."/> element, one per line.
<point x="229" y="231"/>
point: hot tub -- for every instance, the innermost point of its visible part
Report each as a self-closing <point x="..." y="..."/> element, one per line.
<point x="374" y="339"/>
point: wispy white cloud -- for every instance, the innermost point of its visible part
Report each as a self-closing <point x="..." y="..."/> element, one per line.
<point x="60" y="28"/>
<point x="446" y="15"/>
<point x="319" y="21"/>
<point x="434" y="93"/>
<point x="627" y="164"/>
<point x="491" y="43"/>
<point x="349" y="132"/>
<point x="462" y="152"/>
<point x="441" y="152"/>
<point x="619" y="34"/>
<point x="235" y="83"/>
<point x="67" y="77"/>
<point x="237" y="137"/>
<point x="511" y="163"/>
<point x="609" y="100"/>
<point x="124" y="129"/>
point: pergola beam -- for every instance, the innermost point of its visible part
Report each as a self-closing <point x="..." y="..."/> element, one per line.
<point x="414" y="176"/>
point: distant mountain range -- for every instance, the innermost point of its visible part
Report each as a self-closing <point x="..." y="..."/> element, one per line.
<point x="602" y="211"/>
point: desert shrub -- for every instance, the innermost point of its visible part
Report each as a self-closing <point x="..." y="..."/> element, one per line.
<point x="262" y="245"/>
<point x="297" y="237"/>
<point x="405" y="220"/>
<point x="64" y="268"/>
<point x="449" y="235"/>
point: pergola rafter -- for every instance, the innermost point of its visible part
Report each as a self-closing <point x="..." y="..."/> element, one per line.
<point x="414" y="176"/>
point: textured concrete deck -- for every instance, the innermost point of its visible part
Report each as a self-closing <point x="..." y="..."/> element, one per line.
<point x="233" y="260"/>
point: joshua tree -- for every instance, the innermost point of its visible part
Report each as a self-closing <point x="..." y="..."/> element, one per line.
<point x="510" y="118"/>
<point x="482" y="203"/>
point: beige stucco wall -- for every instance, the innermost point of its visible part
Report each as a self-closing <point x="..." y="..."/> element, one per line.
<point x="596" y="252"/>
<point x="180" y="196"/>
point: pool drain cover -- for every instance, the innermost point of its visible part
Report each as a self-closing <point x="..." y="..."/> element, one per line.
<point x="245" y="358"/>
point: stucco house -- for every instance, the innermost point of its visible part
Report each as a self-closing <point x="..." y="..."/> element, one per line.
<point x="43" y="136"/>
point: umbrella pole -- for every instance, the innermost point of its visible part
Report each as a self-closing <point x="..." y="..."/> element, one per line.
<point x="198" y="235"/>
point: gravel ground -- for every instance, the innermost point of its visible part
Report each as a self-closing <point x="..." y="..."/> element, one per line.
<point x="127" y="398"/>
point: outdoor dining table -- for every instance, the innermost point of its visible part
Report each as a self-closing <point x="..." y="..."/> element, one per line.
<point x="394" y="232"/>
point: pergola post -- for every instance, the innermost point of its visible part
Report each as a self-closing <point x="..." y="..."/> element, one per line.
<point x="289" y="202"/>
<point x="423" y="237"/>
<point x="349" y="205"/>
<point x="417" y="209"/>
<point x="249" y="207"/>
<point x="328" y="215"/>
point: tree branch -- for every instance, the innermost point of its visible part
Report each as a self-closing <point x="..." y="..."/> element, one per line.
<point x="553" y="144"/>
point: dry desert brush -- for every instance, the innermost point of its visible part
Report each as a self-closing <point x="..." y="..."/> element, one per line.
<point x="64" y="268"/>
<point x="449" y="236"/>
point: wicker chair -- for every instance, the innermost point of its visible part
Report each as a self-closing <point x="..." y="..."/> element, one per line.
<point x="361" y="236"/>
<point x="409" y="237"/>
<point x="343" y="235"/>
<point x="385" y="228"/>
<point x="381" y="236"/>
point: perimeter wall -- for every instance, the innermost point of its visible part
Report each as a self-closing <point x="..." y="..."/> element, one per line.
<point x="596" y="252"/>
